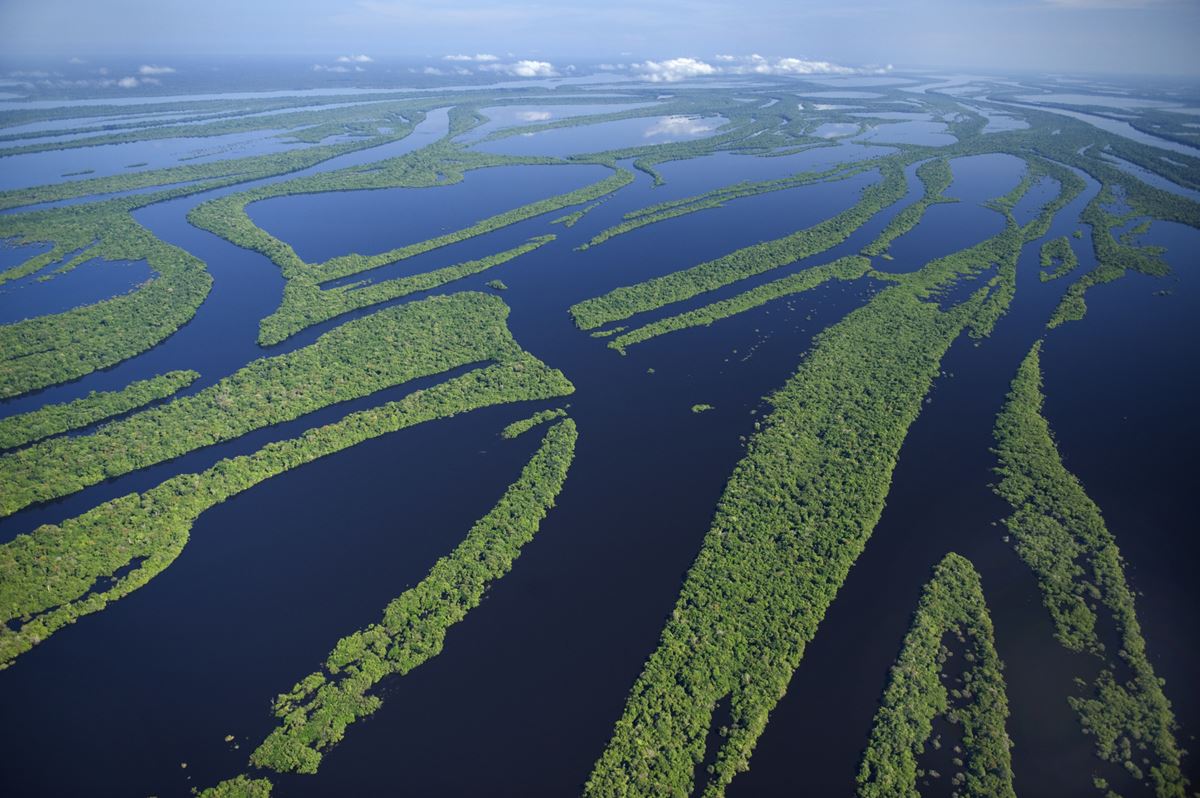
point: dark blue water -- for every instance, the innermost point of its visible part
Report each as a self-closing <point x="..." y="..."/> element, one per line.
<point x="530" y="683"/>
<point x="12" y="255"/>
<point x="949" y="227"/>
<point x="591" y="598"/>
<point x="939" y="502"/>
<point x="1043" y="190"/>
<point x="47" y="292"/>
<point x="1119" y="388"/>
<point x="223" y="334"/>
<point x="319" y="226"/>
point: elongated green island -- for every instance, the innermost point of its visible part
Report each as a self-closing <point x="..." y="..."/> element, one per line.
<point x="352" y="361"/>
<point x="621" y="303"/>
<point x="97" y="406"/>
<point x="1061" y="535"/>
<point x="60" y="572"/>
<point x="952" y="604"/>
<point x="315" y="714"/>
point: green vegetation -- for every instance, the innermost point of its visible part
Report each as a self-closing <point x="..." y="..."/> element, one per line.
<point x="572" y="219"/>
<point x="51" y="420"/>
<point x="315" y="713"/>
<point x="1061" y="536"/>
<point x="46" y="350"/>
<point x="184" y="179"/>
<point x="302" y="125"/>
<point x="239" y="787"/>
<point x="795" y="515"/>
<point x="351" y="361"/>
<point x="354" y="264"/>
<point x="801" y="503"/>
<point x="227" y="217"/>
<point x="305" y="303"/>
<point x="58" y="573"/>
<point x="496" y="285"/>
<point x="621" y="303"/>
<point x="736" y="633"/>
<point x="951" y="604"/>
<point x="1058" y="257"/>
<point x="715" y="199"/>
<point x="849" y="268"/>
<point x="936" y="177"/>
<point x="518" y="428"/>
<point x="1113" y="259"/>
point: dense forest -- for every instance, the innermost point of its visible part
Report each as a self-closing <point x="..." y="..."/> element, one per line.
<point x="111" y="452"/>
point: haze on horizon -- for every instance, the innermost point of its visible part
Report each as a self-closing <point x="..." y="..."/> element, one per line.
<point x="1104" y="36"/>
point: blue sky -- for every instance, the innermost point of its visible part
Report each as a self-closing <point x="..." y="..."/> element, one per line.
<point x="1115" y="36"/>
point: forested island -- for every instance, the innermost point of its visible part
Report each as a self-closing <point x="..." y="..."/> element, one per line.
<point x="461" y="327"/>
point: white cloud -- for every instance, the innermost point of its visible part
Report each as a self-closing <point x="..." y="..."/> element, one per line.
<point x="680" y="126"/>
<point x="151" y="69"/>
<point x="76" y="60"/>
<point x="128" y="83"/>
<point x="674" y="69"/>
<point x="534" y="116"/>
<point x="799" y="66"/>
<point x="525" y="69"/>
<point x="355" y="59"/>
<point x="677" y="69"/>
<point x="756" y="64"/>
<point x="323" y="68"/>
<point x="480" y="57"/>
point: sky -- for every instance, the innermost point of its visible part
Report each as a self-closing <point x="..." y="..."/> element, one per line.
<point x="1106" y="36"/>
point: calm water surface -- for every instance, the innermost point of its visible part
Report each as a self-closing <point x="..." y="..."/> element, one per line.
<point x="530" y="683"/>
